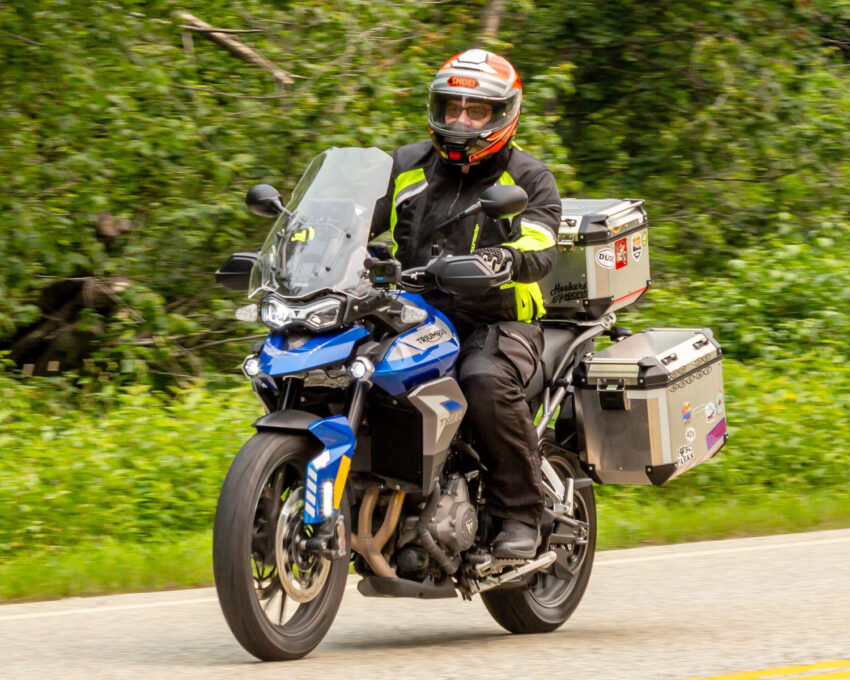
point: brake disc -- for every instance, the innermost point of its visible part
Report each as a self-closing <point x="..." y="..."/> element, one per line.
<point x="301" y="574"/>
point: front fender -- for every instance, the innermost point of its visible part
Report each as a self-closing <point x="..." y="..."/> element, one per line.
<point x="327" y="472"/>
<point x="288" y="420"/>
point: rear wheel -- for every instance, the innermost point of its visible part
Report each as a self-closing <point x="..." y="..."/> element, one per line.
<point x="553" y="595"/>
<point x="278" y="600"/>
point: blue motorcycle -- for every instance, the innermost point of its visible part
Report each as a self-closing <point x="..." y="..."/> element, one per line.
<point x="363" y="455"/>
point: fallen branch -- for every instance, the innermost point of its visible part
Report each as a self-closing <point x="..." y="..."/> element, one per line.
<point x="198" y="29"/>
<point x="236" y="47"/>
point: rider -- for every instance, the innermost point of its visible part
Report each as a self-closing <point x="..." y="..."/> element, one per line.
<point x="473" y="109"/>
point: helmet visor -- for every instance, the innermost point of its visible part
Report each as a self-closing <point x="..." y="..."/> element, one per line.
<point x="470" y="115"/>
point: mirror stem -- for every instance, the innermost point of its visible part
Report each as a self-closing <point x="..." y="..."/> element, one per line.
<point x="471" y="210"/>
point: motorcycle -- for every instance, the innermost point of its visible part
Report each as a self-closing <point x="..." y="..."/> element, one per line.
<point x="363" y="455"/>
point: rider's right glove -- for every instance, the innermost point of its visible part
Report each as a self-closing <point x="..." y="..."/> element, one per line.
<point x="498" y="259"/>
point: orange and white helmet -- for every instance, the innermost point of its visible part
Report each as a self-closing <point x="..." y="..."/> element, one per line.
<point x="474" y="106"/>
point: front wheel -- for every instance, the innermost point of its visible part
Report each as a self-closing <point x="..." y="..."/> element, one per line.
<point x="553" y="595"/>
<point x="278" y="600"/>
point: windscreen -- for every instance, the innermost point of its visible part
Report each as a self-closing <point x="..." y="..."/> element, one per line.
<point x="320" y="241"/>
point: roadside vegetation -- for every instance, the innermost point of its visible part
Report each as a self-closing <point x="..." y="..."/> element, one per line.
<point x="128" y="145"/>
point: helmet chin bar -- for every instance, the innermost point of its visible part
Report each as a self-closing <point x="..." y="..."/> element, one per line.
<point x="456" y="151"/>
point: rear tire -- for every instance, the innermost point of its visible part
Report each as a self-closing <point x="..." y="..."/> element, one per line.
<point x="549" y="600"/>
<point x="262" y="490"/>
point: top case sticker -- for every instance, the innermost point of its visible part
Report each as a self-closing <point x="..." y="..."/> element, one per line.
<point x="637" y="247"/>
<point x="621" y="252"/>
<point x="605" y="258"/>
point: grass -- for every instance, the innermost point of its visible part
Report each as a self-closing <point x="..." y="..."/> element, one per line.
<point x="181" y="561"/>
<point x="627" y="524"/>
<point x="184" y="561"/>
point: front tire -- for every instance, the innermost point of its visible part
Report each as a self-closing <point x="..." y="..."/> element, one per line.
<point x="550" y="599"/>
<point x="259" y="506"/>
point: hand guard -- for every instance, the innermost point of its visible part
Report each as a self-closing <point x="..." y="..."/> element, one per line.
<point x="498" y="259"/>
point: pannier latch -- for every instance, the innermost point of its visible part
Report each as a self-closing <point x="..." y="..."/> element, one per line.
<point x="669" y="358"/>
<point x="568" y="233"/>
<point x="702" y="342"/>
<point x="612" y="396"/>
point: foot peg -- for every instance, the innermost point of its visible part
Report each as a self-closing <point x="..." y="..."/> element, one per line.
<point x="545" y="560"/>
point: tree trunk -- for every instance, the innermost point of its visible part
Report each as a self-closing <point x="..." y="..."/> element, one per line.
<point x="492" y="18"/>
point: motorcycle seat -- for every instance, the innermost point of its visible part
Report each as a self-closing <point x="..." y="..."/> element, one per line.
<point x="556" y="341"/>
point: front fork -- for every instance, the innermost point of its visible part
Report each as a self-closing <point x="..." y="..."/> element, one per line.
<point x="327" y="474"/>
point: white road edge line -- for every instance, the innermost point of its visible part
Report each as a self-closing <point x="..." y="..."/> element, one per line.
<point x="351" y="586"/>
<point x="718" y="551"/>
<point x="118" y="607"/>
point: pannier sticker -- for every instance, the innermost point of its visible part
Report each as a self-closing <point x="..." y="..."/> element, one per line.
<point x="605" y="258"/>
<point x="637" y="247"/>
<point x="710" y="412"/>
<point x="720" y="402"/>
<point x="716" y="434"/>
<point x="621" y="252"/>
<point x="686" y="412"/>
<point x="690" y="435"/>
<point x="563" y="292"/>
<point x="685" y="455"/>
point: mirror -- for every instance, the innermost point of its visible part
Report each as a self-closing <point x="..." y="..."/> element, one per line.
<point x="503" y="200"/>
<point x="236" y="272"/>
<point x="264" y="200"/>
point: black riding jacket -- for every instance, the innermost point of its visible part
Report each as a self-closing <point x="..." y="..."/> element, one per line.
<point x="424" y="191"/>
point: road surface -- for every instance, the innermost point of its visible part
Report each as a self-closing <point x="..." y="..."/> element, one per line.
<point x="766" y="608"/>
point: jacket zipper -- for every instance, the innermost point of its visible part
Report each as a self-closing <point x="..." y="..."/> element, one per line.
<point x="457" y="196"/>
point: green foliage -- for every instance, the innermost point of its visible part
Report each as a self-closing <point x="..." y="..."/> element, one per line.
<point x="730" y="119"/>
<point x="151" y="464"/>
<point x="107" y="112"/>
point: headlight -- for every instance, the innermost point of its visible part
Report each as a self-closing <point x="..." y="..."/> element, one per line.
<point x="275" y="313"/>
<point x="317" y="315"/>
<point x="322" y="314"/>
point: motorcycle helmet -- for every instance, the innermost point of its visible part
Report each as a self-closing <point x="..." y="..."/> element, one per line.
<point x="473" y="107"/>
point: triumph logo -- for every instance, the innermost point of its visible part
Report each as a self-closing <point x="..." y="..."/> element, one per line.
<point x="431" y="336"/>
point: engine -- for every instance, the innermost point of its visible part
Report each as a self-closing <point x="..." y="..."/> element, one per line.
<point x="455" y="521"/>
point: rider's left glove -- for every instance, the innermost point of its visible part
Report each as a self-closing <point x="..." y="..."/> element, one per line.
<point x="498" y="259"/>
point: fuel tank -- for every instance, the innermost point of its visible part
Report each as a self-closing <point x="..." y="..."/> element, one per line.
<point x="424" y="353"/>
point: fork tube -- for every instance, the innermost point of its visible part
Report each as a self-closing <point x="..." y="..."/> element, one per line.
<point x="290" y="393"/>
<point x="357" y="403"/>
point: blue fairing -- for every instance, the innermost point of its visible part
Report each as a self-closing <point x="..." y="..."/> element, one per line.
<point x="276" y="358"/>
<point x="426" y="352"/>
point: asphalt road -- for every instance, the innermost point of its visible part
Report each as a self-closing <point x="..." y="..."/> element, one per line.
<point x="766" y="607"/>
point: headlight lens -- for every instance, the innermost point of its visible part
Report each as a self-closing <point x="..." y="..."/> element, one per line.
<point x="317" y="315"/>
<point x="323" y="313"/>
<point x="275" y="313"/>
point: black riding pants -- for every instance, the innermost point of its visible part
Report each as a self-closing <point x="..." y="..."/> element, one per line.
<point x="496" y="362"/>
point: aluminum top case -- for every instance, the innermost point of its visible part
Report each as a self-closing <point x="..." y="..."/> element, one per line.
<point x="603" y="258"/>
<point x="651" y="406"/>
